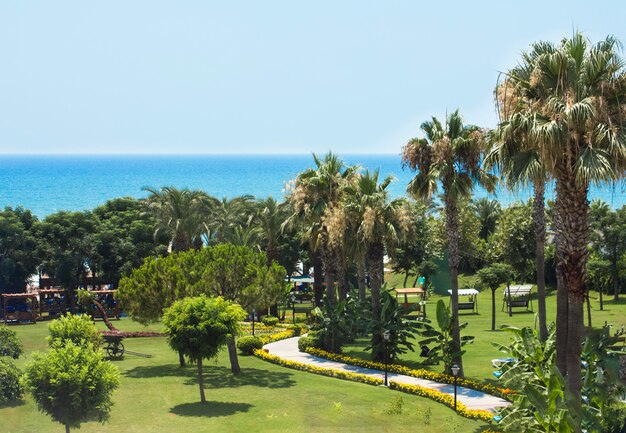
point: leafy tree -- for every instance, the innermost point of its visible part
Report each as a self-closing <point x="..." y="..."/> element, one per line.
<point x="609" y="241"/>
<point x="72" y="384"/>
<point x="124" y="237"/>
<point x="200" y="326"/>
<point x="493" y="277"/>
<point x="598" y="276"/>
<point x="79" y="330"/>
<point x="380" y="222"/>
<point x="10" y="344"/>
<point x="449" y="156"/>
<point x="66" y="243"/>
<point x="239" y="274"/>
<point x="416" y="246"/>
<point x="514" y="239"/>
<point x="569" y="98"/>
<point x="444" y="347"/>
<point x="18" y="257"/>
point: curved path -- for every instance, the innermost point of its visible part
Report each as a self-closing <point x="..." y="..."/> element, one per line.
<point x="288" y="349"/>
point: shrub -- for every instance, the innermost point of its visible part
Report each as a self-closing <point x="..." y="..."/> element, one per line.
<point x="10" y="345"/>
<point x="247" y="345"/>
<point x="10" y="387"/>
<point x="71" y="399"/>
<point x="270" y="321"/>
<point x="78" y="329"/>
<point x="614" y="418"/>
<point x="305" y="342"/>
<point x="296" y="328"/>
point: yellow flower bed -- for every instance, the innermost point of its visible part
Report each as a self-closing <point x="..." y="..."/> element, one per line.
<point x="419" y="373"/>
<point x="363" y="378"/>
<point x="447" y="399"/>
<point x="287" y="333"/>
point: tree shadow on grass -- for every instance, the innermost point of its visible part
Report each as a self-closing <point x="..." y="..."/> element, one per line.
<point x="210" y="409"/>
<point x="12" y="403"/>
<point x="217" y="377"/>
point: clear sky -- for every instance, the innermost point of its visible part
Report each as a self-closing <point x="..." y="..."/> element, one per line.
<point x="261" y="76"/>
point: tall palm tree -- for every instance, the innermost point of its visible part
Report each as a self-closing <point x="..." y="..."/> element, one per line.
<point x="518" y="164"/>
<point x="316" y="203"/>
<point x="570" y="98"/>
<point x="180" y="213"/>
<point x="450" y="154"/>
<point x="378" y="223"/>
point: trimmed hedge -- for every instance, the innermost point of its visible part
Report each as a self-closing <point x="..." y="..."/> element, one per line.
<point x="10" y="344"/>
<point x="247" y="345"/>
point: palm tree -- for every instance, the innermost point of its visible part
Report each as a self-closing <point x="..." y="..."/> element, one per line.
<point x="316" y="203"/>
<point x="569" y="99"/>
<point x="450" y="154"/>
<point x="378" y="222"/>
<point x="270" y="217"/>
<point x="229" y="218"/>
<point x="488" y="212"/>
<point x="181" y="213"/>
<point x="521" y="167"/>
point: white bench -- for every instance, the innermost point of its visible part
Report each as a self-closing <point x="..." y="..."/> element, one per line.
<point x="517" y="297"/>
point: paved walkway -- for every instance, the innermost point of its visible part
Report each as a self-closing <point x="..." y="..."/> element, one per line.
<point x="288" y="349"/>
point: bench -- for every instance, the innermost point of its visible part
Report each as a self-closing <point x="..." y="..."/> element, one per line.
<point x="472" y="299"/>
<point x="517" y="297"/>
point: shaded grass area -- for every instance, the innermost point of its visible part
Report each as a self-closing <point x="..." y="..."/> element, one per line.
<point x="157" y="396"/>
<point x="477" y="360"/>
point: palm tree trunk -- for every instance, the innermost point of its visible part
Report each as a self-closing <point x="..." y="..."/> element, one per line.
<point x="375" y="257"/>
<point x="232" y="355"/>
<point x="340" y="266"/>
<point x="615" y="282"/>
<point x="329" y="272"/>
<point x="318" y="278"/>
<point x="573" y="228"/>
<point x="493" y="309"/>
<point x="540" y="235"/>
<point x="452" y="229"/>
<point x="201" y="381"/>
<point x="360" y="269"/>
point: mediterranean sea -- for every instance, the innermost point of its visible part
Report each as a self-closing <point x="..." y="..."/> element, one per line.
<point x="49" y="183"/>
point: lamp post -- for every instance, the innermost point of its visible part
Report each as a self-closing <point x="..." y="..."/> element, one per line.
<point x="386" y="335"/>
<point x="455" y="372"/>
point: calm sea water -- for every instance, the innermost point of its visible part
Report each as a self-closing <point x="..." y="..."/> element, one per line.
<point x="46" y="184"/>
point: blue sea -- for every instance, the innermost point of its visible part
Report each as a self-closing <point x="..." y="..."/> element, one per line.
<point x="49" y="183"/>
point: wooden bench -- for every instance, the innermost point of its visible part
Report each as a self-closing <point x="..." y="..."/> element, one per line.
<point x="517" y="297"/>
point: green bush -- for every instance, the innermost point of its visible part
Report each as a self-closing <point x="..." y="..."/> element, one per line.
<point x="270" y="321"/>
<point x="614" y="418"/>
<point x="72" y="383"/>
<point x="309" y="341"/>
<point x="10" y="345"/>
<point x="10" y="387"/>
<point x="247" y="345"/>
<point x="297" y="329"/>
<point x="78" y="329"/>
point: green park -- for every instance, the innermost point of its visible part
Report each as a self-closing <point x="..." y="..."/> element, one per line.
<point x="341" y="307"/>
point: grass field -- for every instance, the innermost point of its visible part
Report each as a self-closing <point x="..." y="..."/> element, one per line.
<point x="157" y="396"/>
<point x="477" y="360"/>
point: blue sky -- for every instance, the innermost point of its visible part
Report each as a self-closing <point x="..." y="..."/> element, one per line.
<point x="261" y="77"/>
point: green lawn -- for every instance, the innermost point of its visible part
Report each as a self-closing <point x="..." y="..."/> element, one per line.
<point x="477" y="360"/>
<point x="157" y="396"/>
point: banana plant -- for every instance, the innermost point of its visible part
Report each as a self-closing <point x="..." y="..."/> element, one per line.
<point x="443" y="348"/>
